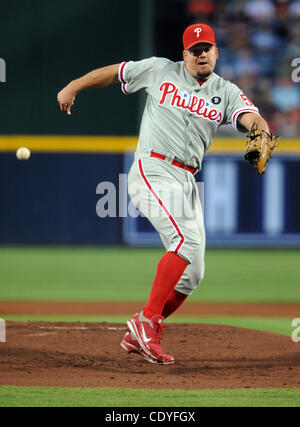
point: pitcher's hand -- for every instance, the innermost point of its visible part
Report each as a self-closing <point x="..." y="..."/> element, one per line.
<point x="66" y="98"/>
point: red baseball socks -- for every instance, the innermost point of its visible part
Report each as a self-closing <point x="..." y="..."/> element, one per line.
<point x="174" y="301"/>
<point x="169" y="271"/>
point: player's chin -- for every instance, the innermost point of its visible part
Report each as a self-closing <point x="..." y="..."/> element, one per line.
<point x="204" y="73"/>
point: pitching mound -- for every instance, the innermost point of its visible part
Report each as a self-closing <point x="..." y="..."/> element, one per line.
<point x="89" y="355"/>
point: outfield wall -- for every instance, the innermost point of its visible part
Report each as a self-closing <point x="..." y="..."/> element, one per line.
<point x="53" y="197"/>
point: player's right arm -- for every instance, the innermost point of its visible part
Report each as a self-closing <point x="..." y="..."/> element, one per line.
<point x="98" y="78"/>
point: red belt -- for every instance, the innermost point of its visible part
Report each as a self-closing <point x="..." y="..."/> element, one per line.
<point x="174" y="163"/>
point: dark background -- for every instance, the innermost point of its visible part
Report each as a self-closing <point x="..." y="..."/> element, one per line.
<point x="48" y="43"/>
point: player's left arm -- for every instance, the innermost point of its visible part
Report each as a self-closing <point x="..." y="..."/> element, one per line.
<point x="247" y="120"/>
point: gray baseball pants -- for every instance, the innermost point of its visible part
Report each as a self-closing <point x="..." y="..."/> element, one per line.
<point x="168" y="196"/>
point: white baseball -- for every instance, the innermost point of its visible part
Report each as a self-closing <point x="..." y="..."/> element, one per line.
<point x="23" y="153"/>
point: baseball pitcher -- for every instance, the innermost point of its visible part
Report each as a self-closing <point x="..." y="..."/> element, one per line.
<point x="186" y="104"/>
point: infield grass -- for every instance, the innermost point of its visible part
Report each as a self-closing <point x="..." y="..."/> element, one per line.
<point x="126" y="274"/>
<point x="119" y="397"/>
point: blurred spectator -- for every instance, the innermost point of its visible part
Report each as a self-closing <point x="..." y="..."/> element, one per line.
<point x="263" y="38"/>
<point x="249" y="84"/>
<point x="236" y="9"/>
<point x="220" y="10"/>
<point x="239" y="35"/>
<point x="257" y="40"/>
<point x="201" y="9"/>
<point x="294" y="40"/>
<point x="282" y="7"/>
<point x="262" y="95"/>
<point x="285" y="94"/>
<point x="283" y="124"/>
<point x="260" y="10"/>
<point x="244" y="63"/>
<point x="294" y="8"/>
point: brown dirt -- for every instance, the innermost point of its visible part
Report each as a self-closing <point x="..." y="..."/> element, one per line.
<point x="291" y="310"/>
<point x="89" y="355"/>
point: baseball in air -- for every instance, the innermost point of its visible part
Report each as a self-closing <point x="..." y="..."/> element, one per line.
<point x="23" y="153"/>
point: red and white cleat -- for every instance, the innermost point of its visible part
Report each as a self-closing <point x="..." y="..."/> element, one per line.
<point x="131" y="345"/>
<point x="148" y="333"/>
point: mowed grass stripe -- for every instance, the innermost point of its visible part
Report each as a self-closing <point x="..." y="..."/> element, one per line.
<point x="119" y="397"/>
<point x="126" y="274"/>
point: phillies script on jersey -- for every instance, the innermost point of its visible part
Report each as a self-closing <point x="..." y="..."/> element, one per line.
<point x="193" y="103"/>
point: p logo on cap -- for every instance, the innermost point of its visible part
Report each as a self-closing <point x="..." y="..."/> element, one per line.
<point x="198" y="33"/>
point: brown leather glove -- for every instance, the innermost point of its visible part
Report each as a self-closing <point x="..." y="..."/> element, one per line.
<point x="259" y="147"/>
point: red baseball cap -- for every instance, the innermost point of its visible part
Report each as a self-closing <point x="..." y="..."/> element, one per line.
<point x="198" y="33"/>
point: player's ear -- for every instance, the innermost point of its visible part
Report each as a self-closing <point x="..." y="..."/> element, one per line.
<point x="217" y="52"/>
<point x="184" y="55"/>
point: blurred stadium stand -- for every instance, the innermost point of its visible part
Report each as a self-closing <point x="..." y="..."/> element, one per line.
<point x="258" y="40"/>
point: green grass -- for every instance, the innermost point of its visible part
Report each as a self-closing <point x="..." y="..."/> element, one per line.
<point x="117" y="397"/>
<point x="126" y="274"/>
<point x="276" y="325"/>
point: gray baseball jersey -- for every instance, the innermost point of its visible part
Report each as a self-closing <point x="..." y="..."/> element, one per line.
<point x="181" y="118"/>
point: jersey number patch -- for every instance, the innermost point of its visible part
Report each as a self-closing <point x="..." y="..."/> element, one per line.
<point x="246" y="100"/>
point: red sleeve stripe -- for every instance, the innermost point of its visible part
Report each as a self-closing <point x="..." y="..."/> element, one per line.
<point x="122" y="78"/>
<point x="163" y="206"/>
<point x="240" y="111"/>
